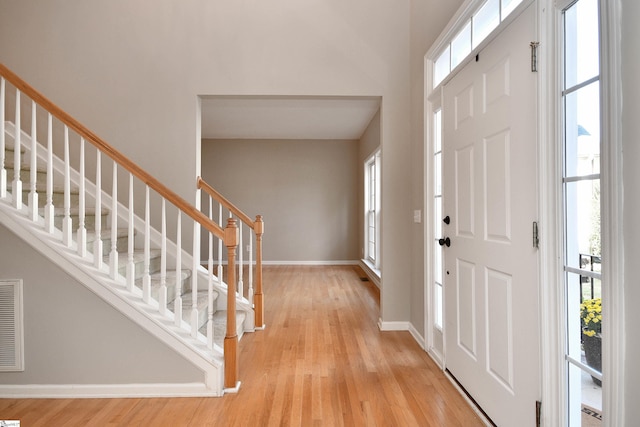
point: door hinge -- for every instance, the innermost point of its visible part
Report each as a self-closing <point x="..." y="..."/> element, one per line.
<point x="534" y="56"/>
<point x="536" y="239"/>
<point x="538" y="412"/>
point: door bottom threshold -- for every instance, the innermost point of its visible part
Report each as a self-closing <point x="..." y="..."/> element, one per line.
<point x="474" y="405"/>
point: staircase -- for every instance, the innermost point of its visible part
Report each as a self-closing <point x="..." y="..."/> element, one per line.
<point x="124" y="240"/>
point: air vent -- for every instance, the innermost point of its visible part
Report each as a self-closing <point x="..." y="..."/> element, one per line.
<point x="11" y="331"/>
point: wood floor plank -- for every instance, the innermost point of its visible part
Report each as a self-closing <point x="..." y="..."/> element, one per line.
<point x="321" y="361"/>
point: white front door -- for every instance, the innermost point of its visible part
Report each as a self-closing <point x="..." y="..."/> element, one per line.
<point x="489" y="192"/>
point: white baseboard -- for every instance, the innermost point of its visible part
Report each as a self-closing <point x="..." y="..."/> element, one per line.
<point x="402" y="326"/>
<point x="393" y="326"/>
<point x="339" y="262"/>
<point x="102" y="391"/>
<point x="245" y="262"/>
<point x="416" y="336"/>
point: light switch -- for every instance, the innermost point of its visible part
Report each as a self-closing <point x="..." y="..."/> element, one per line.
<point x="417" y="216"/>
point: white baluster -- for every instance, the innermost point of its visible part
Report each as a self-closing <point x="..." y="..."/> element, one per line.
<point x="113" y="255"/>
<point x="250" y="291"/>
<point x="3" y="171"/>
<point x="240" y="265"/>
<point x="33" y="175"/>
<point x="97" y="243"/>
<point x="66" y="221"/>
<point x="177" y="305"/>
<point x="220" y="272"/>
<point x="146" y="279"/>
<point x="82" y="229"/>
<point x="16" y="188"/>
<point x="194" y="277"/>
<point x="49" y="208"/>
<point x="162" y="297"/>
<point x="210" y="283"/>
<point x="131" y="267"/>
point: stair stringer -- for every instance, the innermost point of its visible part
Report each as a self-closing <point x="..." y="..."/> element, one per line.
<point x="114" y="292"/>
<point x="155" y="237"/>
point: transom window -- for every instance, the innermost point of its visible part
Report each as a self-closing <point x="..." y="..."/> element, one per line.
<point x="477" y="28"/>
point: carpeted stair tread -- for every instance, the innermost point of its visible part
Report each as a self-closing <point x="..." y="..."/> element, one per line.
<point x="122" y="238"/>
<point x="138" y="261"/>
<point x="170" y="281"/>
<point x="220" y="326"/>
<point x="202" y="304"/>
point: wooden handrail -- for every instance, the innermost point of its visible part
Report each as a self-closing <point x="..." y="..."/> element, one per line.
<point x="110" y="151"/>
<point x="258" y="228"/>
<point x="202" y="184"/>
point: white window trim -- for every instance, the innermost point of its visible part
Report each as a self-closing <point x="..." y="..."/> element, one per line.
<point x="612" y="214"/>
<point x="432" y="104"/>
<point x="554" y="397"/>
<point x="375" y="158"/>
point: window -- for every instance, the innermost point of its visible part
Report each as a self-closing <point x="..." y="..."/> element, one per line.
<point x="486" y="18"/>
<point x="437" y="218"/>
<point x="372" y="210"/>
<point x="582" y="208"/>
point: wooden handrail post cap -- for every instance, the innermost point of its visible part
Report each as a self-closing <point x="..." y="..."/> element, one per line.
<point x="258" y="225"/>
<point x="231" y="233"/>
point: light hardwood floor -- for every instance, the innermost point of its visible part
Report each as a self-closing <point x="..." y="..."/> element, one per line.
<point x="321" y="361"/>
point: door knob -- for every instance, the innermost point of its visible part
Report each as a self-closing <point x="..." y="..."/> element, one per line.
<point x="447" y="220"/>
<point x="444" y="241"/>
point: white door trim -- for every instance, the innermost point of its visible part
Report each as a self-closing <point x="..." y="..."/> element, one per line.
<point x="552" y="363"/>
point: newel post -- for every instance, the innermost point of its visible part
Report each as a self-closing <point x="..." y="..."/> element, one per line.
<point x="258" y="297"/>
<point x="231" y="338"/>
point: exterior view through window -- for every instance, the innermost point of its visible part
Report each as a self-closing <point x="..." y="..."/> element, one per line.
<point x="581" y="189"/>
<point x="372" y="210"/>
<point x="437" y="218"/>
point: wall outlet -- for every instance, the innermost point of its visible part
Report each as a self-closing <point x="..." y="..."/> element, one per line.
<point x="417" y="216"/>
<point x="248" y="248"/>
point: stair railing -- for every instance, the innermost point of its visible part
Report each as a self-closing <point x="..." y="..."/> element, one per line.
<point x="256" y="231"/>
<point x="104" y="205"/>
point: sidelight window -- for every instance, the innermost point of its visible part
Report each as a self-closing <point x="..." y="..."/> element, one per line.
<point x="582" y="207"/>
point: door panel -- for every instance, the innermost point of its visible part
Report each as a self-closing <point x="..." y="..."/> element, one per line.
<point x="464" y="191"/>
<point x="489" y="190"/>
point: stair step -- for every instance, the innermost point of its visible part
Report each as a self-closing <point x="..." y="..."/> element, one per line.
<point x="202" y="305"/>
<point x="89" y="219"/>
<point x="25" y="177"/>
<point x="9" y="142"/>
<point x="25" y="166"/>
<point x="220" y="326"/>
<point x="122" y="240"/>
<point x="156" y="284"/>
<point x="57" y="197"/>
<point x="138" y="261"/>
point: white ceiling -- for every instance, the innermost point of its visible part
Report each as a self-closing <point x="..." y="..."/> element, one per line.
<point x="286" y="117"/>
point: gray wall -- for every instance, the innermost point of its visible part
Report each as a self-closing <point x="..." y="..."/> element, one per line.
<point x="306" y="191"/>
<point x="132" y="72"/>
<point x="71" y="336"/>
<point x="631" y="153"/>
